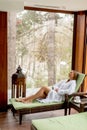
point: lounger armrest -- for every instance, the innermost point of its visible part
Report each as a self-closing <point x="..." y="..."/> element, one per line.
<point x="78" y="94"/>
<point x="67" y="97"/>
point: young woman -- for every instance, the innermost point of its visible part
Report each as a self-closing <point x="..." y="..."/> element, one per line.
<point x="54" y="94"/>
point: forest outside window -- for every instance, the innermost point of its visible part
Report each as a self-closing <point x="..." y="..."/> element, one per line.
<point x="43" y="46"/>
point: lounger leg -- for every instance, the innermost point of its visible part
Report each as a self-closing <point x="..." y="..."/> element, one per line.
<point x="20" y="119"/>
<point x="13" y="111"/>
<point x="66" y="106"/>
<point x="69" y="110"/>
<point x="65" y="112"/>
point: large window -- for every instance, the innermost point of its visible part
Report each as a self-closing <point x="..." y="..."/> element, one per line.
<point x="44" y="46"/>
<point x="41" y="43"/>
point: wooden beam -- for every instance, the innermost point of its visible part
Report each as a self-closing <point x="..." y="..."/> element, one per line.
<point x="85" y="56"/>
<point x="48" y="10"/>
<point x="78" y="41"/>
<point x="3" y="61"/>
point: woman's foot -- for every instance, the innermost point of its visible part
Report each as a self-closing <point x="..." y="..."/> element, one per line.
<point x="19" y="99"/>
<point x="27" y="101"/>
<point x="24" y="100"/>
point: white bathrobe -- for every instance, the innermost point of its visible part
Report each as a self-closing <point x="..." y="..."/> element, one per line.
<point x="64" y="87"/>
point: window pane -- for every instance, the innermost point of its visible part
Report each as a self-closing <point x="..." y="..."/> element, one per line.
<point x="43" y="46"/>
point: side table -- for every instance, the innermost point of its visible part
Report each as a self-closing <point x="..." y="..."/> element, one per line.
<point x="80" y="107"/>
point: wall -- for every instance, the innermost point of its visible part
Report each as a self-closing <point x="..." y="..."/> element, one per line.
<point x="3" y="60"/>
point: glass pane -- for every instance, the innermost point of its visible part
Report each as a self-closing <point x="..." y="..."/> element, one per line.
<point x="43" y="47"/>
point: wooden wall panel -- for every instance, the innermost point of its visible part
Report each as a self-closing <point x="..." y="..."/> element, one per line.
<point x="78" y="42"/>
<point x="79" y="56"/>
<point x="85" y="56"/>
<point x="85" y="83"/>
<point x="3" y="61"/>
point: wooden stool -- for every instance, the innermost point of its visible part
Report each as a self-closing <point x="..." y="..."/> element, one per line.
<point x="80" y="107"/>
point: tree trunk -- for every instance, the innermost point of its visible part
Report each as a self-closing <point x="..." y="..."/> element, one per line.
<point x="51" y="49"/>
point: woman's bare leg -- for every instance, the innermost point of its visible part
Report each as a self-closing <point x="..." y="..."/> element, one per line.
<point x="42" y="93"/>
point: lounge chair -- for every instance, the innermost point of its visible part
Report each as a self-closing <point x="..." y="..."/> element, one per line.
<point x="70" y="122"/>
<point x="79" y="106"/>
<point x="35" y="107"/>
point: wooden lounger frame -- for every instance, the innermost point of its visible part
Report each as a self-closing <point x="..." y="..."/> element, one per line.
<point x="45" y="108"/>
<point x="33" y="127"/>
<point x="38" y="109"/>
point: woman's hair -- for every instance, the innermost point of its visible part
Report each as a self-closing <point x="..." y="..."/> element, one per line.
<point x="75" y="75"/>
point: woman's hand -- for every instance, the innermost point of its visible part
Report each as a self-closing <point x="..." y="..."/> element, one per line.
<point x="56" y="89"/>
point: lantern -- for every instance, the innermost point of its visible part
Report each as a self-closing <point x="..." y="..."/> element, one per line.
<point x="18" y="84"/>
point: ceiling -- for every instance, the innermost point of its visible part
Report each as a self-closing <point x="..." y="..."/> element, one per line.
<point x="68" y="5"/>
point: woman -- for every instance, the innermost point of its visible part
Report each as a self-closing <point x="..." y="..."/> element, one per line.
<point x="56" y="94"/>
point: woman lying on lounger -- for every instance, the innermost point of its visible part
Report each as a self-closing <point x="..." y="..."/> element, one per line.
<point x="54" y="94"/>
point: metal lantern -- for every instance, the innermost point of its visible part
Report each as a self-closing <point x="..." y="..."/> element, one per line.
<point x="18" y="84"/>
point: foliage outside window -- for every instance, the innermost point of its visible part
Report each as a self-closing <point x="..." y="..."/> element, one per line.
<point x="44" y="46"/>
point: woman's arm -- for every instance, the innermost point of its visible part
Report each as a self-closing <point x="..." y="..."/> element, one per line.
<point x="70" y="90"/>
<point x="57" y="85"/>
